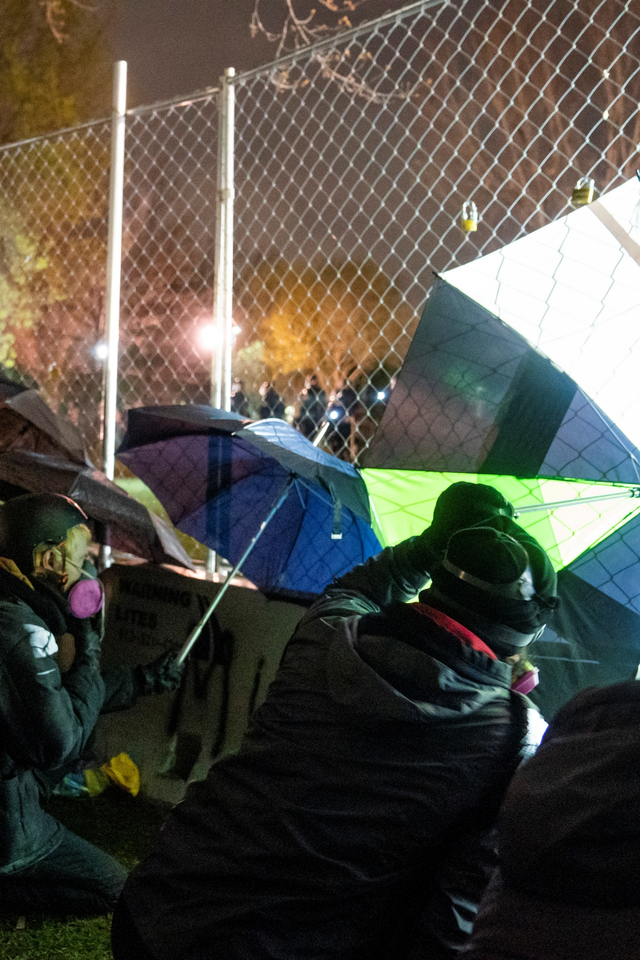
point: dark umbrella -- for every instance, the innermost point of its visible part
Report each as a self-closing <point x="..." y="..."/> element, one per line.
<point x="10" y="383"/>
<point x="27" y="423"/>
<point x="118" y="520"/>
<point x="219" y="477"/>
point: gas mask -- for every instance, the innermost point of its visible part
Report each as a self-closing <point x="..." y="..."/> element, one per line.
<point x="527" y="680"/>
<point x="86" y="596"/>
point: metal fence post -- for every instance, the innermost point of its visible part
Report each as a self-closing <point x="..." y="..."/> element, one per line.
<point x="114" y="263"/>
<point x="223" y="281"/>
<point x="223" y="261"/>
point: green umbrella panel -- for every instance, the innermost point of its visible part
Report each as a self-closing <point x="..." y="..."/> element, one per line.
<point x="402" y="503"/>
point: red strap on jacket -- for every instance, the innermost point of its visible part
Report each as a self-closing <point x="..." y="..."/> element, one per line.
<point x="457" y="629"/>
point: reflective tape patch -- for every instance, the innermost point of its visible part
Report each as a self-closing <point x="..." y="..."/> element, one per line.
<point x="43" y="643"/>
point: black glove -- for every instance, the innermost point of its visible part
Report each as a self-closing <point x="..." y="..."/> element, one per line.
<point x="460" y="506"/>
<point x="159" y="676"/>
<point x="88" y="639"/>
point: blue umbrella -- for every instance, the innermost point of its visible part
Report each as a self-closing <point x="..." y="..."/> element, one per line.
<point x="224" y="480"/>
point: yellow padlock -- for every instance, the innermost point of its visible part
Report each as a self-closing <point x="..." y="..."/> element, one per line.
<point x="469" y="217"/>
<point x="582" y="193"/>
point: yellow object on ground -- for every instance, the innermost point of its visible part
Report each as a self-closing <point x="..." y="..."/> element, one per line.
<point x="120" y="770"/>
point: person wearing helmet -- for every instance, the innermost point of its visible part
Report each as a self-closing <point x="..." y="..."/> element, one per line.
<point x="356" y="820"/>
<point x="51" y="694"/>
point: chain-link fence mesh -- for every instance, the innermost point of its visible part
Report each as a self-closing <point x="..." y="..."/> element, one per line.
<point x="168" y="255"/>
<point x="354" y="162"/>
<point x="53" y="247"/>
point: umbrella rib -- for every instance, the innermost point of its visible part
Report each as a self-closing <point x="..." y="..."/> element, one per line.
<point x="298" y="489"/>
<point x="632" y="493"/>
<point x="294" y="481"/>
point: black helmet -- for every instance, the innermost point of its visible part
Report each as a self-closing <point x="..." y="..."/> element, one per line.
<point x="500" y="579"/>
<point x="32" y="519"/>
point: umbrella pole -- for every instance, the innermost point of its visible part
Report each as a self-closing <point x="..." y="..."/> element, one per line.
<point x="320" y="435"/>
<point x="632" y="493"/>
<point x="199" y="627"/>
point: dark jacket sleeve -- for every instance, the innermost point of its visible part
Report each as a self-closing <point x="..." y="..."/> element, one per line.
<point x="453" y="895"/>
<point x="396" y="574"/>
<point x="120" y="688"/>
<point x="45" y="722"/>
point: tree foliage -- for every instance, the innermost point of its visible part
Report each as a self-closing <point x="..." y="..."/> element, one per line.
<point x="22" y="270"/>
<point x="50" y="79"/>
<point x="337" y="320"/>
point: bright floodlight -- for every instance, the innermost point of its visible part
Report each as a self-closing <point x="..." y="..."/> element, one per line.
<point x="207" y="337"/>
<point x="101" y="351"/>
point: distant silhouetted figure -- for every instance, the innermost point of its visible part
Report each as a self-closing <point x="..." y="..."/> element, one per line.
<point x="272" y="404"/>
<point x="313" y="406"/>
<point x="238" y="399"/>
<point x="343" y="413"/>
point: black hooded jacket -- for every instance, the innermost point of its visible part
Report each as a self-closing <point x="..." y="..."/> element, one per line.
<point x="46" y="720"/>
<point x="355" y="820"/>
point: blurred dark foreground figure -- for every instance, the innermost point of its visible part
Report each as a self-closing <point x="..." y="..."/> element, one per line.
<point x="356" y="821"/>
<point x="568" y="887"/>
<point x="51" y="694"/>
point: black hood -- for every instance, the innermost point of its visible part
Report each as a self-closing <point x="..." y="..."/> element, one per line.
<point x="402" y="665"/>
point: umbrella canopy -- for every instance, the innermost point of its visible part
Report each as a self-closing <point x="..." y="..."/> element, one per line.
<point x="27" y="423"/>
<point x="218" y="476"/>
<point x="475" y="401"/>
<point x="10" y="383"/>
<point x="117" y="519"/>
<point x="572" y="289"/>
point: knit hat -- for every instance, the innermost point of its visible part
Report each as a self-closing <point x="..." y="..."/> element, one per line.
<point x="461" y="505"/>
<point x="465" y="504"/>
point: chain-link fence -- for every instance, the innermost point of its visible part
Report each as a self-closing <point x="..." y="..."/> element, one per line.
<point x="53" y="243"/>
<point x="353" y="161"/>
<point x="168" y="255"/>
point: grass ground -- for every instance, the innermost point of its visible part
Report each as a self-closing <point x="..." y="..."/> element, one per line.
<point x="122" y="825"/>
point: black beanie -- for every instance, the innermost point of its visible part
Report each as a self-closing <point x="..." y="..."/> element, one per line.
<point x="461" y="505"/>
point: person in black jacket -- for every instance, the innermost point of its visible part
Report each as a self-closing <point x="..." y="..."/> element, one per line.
<point x="355" y="822"/>
<point x="51" y="693"/>
<point x="568" y="887"/>
<point x="313" y="407"/>
<point x="272" y="404"/>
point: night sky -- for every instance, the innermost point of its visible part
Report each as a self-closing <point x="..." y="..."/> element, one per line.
<point x="175" y="47"/>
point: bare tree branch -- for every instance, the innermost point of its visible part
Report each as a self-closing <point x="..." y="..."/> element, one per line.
<point x="298" y="30"/>
<point x="56" y="15"/>
<point x="354" y="68"/>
